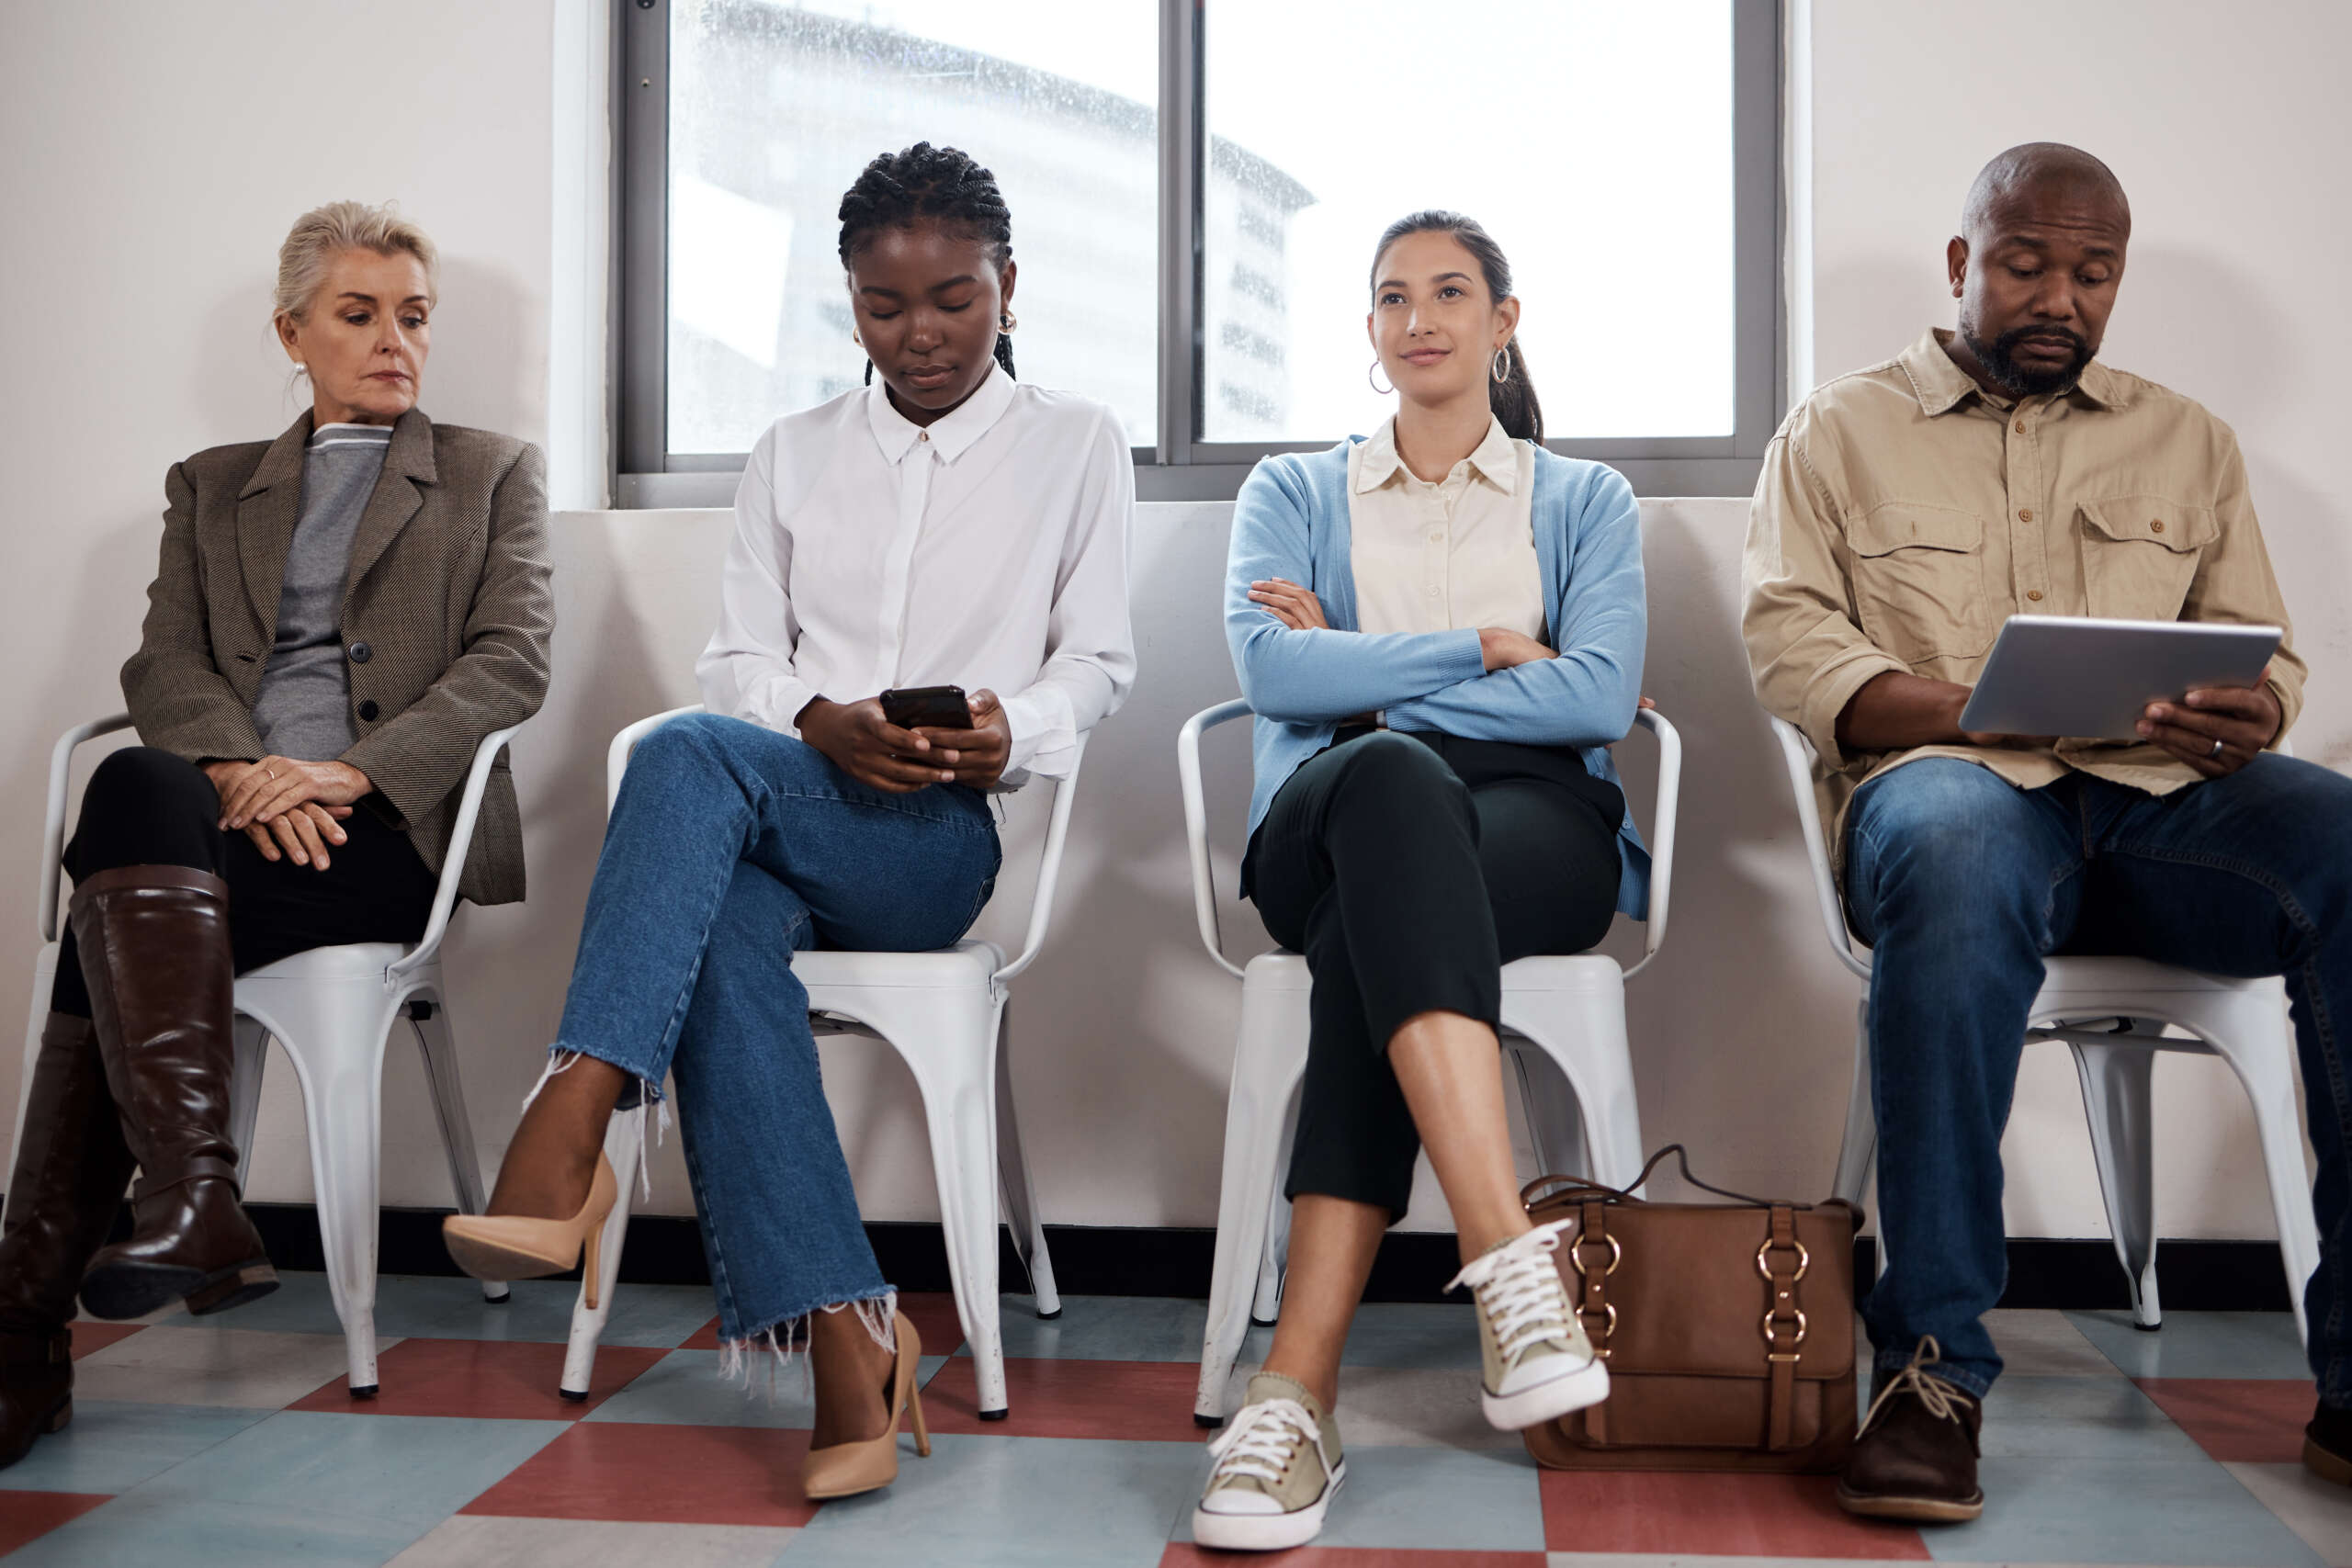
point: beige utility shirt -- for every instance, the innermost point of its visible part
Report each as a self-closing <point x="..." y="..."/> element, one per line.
<point x="1903" y="513"/>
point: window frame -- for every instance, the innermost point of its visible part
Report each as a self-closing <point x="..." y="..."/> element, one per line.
<point x="1178" y="464"/>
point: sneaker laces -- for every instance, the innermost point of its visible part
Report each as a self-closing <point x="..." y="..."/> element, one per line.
<point x="1262" y="1440"/>
<point x="1942" y="1401"/>
<point x="1518" y="1287"/>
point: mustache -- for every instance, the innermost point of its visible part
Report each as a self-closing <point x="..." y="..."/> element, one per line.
<point x="2008" y="341"/>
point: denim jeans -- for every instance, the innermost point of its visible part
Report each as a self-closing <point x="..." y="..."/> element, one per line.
<point x="1961" y="883"/>
<point x="731" y="848"/>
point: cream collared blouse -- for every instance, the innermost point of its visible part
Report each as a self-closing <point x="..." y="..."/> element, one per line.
<point x="1441" y="557"/>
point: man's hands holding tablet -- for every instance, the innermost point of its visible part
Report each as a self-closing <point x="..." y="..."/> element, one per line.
<point x="2216" y="729"/>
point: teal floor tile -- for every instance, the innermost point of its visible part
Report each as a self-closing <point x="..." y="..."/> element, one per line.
<point x="1426" y="1336"/>
<point x="2051" y="1509"/>
<point x="987" y="1502"/>
<point x="2106" y="1418"/>
<point x="1112" y="1328"/>
<point x="684" y="1388"/>
<point x="452" y="1307"/>
<point x="112" y="1445"/>
<point x="2200" y="1344"/>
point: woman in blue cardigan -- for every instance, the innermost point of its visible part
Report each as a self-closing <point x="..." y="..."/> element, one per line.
<point x="1441" y="630"/>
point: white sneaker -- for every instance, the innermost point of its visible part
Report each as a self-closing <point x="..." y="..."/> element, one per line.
<point x="1539" y="1365"/>
<point x="1278" y="1466"/>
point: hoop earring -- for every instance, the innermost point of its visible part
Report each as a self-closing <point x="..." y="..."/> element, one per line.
<point x="1373" y="371"/>
<point x="1006" y="321"/>
<point x="1501" y="367"/>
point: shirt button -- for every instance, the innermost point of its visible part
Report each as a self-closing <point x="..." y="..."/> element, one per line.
<point x="2020" y="427"/>
<point x="2034" y="594"/>
<point x="2025" y="514"/>
<point x="1432" y="590"/>
<point x="1437" y="535"/>
<point x="368" y="710"/>
<point x="361" y="653"/>
<point x="2157" y="526"/>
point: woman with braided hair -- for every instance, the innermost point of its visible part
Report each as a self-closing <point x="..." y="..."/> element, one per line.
<point x="942" y="526"/>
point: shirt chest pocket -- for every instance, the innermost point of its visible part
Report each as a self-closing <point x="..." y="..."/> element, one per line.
<point x="1919" y="581"/>
<point x="2141" y="555"/>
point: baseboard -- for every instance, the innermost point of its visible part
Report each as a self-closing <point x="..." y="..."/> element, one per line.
<point x="1110" y="1260"/>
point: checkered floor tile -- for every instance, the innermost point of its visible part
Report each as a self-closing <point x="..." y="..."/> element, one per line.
<point x="235" y="1440"/>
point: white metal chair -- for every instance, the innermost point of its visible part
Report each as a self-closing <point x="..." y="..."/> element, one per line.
<point x="2245" y="1022"/>
<point x="332" y="1009"/>
<point x="1563" y="1029"/>
<point x="945" y="1013"/>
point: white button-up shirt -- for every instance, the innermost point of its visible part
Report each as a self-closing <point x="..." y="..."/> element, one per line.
<point x="1434" y="557"/>
<point x="986" y="549"/>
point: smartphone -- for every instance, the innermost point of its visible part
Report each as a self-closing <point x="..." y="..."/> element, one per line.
<point x="927" y="708"/>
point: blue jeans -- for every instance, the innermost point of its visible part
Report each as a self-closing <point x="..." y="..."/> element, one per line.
<point x="1961" y="883"/>
<point x="731" y="848"/>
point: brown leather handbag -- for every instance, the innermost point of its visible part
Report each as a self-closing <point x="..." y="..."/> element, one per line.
<point x="1727" y="1328"/>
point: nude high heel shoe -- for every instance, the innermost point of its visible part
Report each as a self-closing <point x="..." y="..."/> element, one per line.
<point x="515" y="1246"/>
<point x="847" y="1469"/>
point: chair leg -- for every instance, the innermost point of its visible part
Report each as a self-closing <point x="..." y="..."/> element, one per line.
<point x="1555" y="1120"/>
<point x="338" y="1055"/>
<point x="244" y="1089"/>
<point x="1859" y="1148"/>
<point x="958" y="1098"/>
<point x="437" y="1043"/>
<point x="1012" y="1170"/>
<point x="1268" y="1062"/>
<point x="2256" y="1037"/>
<point x="623" y="1134"/>
<point x="2117" y="1081"/>
<point x="1273" y="1256"/>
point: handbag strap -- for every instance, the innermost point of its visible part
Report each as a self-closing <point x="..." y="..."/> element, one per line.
<point x="1782" y="1260"/>
<point x="1579" y="1186"/>
<point x="1594" y="1255"/>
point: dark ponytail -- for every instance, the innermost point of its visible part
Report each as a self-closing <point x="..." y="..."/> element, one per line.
<point x="899" y="189"/>
<point x="1513" y="397"/>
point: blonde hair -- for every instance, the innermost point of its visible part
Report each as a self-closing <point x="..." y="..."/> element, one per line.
<point x="323" y="232"/>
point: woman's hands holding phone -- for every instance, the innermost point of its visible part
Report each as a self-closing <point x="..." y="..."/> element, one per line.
<point x="859" y="741"/>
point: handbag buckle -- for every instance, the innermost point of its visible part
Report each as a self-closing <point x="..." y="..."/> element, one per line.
<point x="1804" y="1259"/>
<point x="1802" y="1331"/>
<point x="1616" y="1256"/>
<point x="1608" y="1326"/>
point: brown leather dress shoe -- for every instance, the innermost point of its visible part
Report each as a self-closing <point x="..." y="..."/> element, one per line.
<point x="1916" y="1459"/>
<point x="155" y="942"/>
<point x="70" y="1173"/>
<point x="2328" y="1445"/>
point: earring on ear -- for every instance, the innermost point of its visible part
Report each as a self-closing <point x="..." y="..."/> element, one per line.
<point x="1501" y="365"/>
<point x="1006" y="321"/>
<point x="1371" y="374"/>
<point x="300" y="368"/>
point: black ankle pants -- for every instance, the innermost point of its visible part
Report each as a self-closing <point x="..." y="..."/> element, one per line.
<point x="1408" y="869"/>
<point x="149" y="807"/>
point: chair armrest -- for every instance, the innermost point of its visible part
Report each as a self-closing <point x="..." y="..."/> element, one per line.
<point x="1049" y="870"/>
<point x="1797" y="752"/>
<point x="616" y="759"/>
<point x="1662" y="819"/>
<point x="1196" y="825"/>
<point x="53" y="833"/>
<point x="453" y="865"/>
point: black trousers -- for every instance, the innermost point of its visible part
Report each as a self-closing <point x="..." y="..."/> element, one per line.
<point x="148" y="807"/>
<point x="1408" y="869"/>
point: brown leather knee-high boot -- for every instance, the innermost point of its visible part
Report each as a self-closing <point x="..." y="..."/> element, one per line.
<point x="155" y="942"/>
<point x="70" y="1170"/>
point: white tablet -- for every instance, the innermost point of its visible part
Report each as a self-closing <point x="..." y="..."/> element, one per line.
<point x="2073" y="675"/>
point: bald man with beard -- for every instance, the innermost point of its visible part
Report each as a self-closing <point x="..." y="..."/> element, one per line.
<point x="1903" y="513"/>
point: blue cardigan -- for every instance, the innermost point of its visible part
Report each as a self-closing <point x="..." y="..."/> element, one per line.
<point x="1291" y="521"/>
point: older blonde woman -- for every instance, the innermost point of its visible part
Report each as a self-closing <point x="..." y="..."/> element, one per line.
<point x="339" y="616"/>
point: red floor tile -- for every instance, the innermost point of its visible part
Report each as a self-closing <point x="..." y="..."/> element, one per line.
<point x="1184" y="1554"/>
<point x="932" y="1311"/>
<point x="1714" y="1516"/>
<point x="487" y="1378"/>
<point x="2253" y="1420"/>
<point x="644" y="1473"/>
<point x="29" y="1516"/>
<point x="90" y="1337"/>
<point x="1128" y="1400"/>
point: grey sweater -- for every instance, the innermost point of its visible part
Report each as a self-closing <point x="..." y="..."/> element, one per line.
<point x="304" y="707"/>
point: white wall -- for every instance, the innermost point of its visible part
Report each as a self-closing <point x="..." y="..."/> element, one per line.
<point x="158" y="153"/>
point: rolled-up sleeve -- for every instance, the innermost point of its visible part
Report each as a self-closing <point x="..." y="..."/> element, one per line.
<point x="1090" y="636"/>
<point x="747" y="670"/>
<point x="1806" y="654"/>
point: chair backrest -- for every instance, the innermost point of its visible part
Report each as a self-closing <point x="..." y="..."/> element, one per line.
<point x="1049" y="862"/>
<point x="1799" y="756"/>
<point x="1196" y="829"/>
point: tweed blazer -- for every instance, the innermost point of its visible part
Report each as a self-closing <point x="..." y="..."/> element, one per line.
<point x="447" y="612"/>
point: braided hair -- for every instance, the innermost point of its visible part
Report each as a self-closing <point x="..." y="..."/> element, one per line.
<point x="899" y="189"/>
<point x="1512" y="398"/>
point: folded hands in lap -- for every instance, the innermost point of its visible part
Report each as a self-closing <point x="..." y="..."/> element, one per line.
<point x="287" y="809"/>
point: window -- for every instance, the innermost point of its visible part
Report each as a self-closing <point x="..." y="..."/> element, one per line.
<point x="1196" y="186"/>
